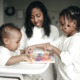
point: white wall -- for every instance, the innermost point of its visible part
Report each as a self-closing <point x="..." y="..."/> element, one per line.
<point x="1" y="12"/>
<point x="54" y="7"/>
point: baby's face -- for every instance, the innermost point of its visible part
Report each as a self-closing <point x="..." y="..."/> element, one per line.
<point x="14" y="41"/>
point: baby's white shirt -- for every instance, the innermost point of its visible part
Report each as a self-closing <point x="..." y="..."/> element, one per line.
<point x="6" y="54"/>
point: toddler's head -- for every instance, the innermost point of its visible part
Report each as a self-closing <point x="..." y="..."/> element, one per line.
<point x="10" y="36"/>
<point x="73" y="13"/>
<point x="70" y="20"/>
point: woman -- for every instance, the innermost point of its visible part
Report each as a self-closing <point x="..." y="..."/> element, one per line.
<point x="37" y="30"/>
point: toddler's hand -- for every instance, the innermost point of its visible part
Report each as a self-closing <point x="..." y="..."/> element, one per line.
<point x="49" y="48"/>
<point x="45" y="46"/>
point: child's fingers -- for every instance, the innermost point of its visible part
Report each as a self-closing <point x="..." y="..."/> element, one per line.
<point x="48" y="49"/>
<point x="28" y="60"/>
<point x="28" y="51"/>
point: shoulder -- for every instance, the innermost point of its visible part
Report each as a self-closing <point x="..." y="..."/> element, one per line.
<point x="54" y="30"/>
<point x="3" y="49"/>
<point x="53" y="27"/>
<point x="23" y="29"/>
<point x="76" y="37"/>
<point x="4" y="55"/>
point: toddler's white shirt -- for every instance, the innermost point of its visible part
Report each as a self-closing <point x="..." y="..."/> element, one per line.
<point x="69" y="61"/>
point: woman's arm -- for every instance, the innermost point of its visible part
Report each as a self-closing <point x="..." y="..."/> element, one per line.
<point x="30" y="49"/>
<point x="53" y="49"/>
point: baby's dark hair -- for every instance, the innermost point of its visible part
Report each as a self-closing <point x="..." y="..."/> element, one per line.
<point x="73" y="13"/>
<point x="6" y="29"/>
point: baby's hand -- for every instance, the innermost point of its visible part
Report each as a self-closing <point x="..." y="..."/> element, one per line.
<point x="26" y="58"/>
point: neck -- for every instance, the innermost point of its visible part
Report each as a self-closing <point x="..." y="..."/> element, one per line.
<point x="74" y="32"/>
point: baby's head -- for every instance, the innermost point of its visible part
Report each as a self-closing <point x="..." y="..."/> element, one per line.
<point x="10" y="36"/>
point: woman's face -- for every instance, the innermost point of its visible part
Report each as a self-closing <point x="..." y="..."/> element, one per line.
<point x="37" y="17"/>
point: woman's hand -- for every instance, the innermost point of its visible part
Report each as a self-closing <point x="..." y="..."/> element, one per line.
<point x="30" y="49"/>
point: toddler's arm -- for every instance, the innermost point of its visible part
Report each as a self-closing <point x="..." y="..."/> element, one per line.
<point x="53" y="49"/>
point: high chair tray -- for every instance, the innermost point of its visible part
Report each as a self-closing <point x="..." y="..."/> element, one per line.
<point x="38" y="62"/>
<point x="23" y="68"/>
<point x="27" y="67"/>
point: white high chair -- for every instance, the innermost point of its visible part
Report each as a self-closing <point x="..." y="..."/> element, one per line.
<point x="23" y="68"/>
<point x="7" y="76"/>
<point x="15" y="71"/>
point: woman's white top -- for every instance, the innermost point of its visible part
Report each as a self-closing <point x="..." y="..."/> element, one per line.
<point x="69" y="61"/>
<point x="38" y="37"/>
<point x="6" y="54"/>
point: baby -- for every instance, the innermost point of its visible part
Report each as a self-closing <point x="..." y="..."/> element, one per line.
<point x="10" y="37"/>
